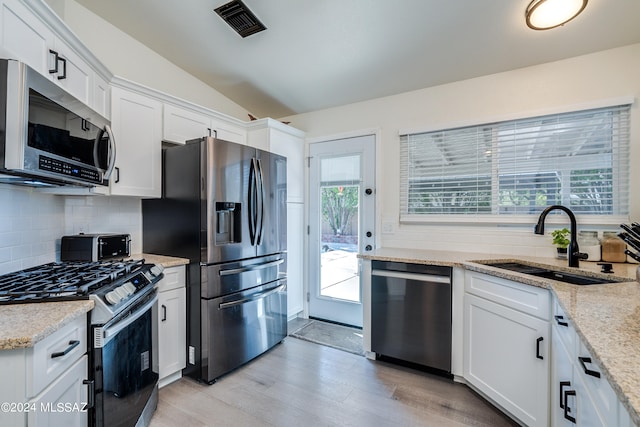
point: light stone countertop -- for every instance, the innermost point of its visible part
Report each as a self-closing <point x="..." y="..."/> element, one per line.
<point x="606" y="317"/>
<point x="165" y="261"/>
<point x="23" y="325"/>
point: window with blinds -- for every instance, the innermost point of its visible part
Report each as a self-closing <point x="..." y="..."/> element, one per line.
<point x="518" y="167"/>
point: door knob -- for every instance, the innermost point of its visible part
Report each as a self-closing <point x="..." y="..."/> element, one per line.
<point x="368" y="191"/>
<point x="369" y="234"/>
<point x="368" y="248"/>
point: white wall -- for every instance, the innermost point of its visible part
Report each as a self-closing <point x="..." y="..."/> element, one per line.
<point x="128" y="58"/>
<point x="569" y="84"/>
<point x="32" y="223"/>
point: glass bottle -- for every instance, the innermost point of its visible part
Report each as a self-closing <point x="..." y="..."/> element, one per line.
<point x="613" y="247"/>
<point x="589" y="244"/>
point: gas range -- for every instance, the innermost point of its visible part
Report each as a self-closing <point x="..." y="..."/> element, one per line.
<point x="112" y="285"/>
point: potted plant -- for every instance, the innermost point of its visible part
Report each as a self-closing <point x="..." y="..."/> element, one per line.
<point x="561" y="240"/>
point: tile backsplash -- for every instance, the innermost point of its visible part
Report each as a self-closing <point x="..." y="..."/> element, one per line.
<point x="32" y="223"/>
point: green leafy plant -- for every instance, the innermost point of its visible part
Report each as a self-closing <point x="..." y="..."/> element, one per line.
<point x="560" y="237"/>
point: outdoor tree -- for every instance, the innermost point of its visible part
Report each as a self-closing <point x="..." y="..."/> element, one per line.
<point x="339" y="204"/>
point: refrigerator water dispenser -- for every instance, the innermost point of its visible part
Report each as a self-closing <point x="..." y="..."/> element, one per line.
<point x="228" y="221"/>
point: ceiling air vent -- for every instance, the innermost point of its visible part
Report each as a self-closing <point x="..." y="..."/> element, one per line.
<point x="240" y="18"/>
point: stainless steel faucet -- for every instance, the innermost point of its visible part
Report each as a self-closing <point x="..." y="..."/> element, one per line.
<point x="573" y="252"/>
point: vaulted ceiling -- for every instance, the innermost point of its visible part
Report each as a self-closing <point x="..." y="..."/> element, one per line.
<point x="319" y="54"/>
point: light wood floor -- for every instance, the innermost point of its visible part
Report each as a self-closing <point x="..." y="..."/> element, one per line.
<point x="299" y="383"/>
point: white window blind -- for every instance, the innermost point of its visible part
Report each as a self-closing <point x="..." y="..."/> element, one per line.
<point x="518" y="167"/>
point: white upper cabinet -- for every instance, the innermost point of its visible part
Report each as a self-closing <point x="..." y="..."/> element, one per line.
<point x="228" y="131"/>
<point x="137" y="126"/>
<point x="28" y="37"/>
<point x="180" y="125"/>
<point x="278" y="138"/>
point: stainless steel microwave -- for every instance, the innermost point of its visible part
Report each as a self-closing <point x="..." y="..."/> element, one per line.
<point x="47" y="136"/>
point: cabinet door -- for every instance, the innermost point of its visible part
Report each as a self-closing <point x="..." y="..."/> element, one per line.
<point x="228" y="131"/>
<point x="292" y="147"/>
<point x="506" y="357"/>
<point x="26" y="36"/>
<point x="561" y="381"/>
<point x="101" y="96"/>
<point x="582" y="404"/>
<point x="179" y="125"/>
<point x="295" y="258"/>
<point x="62" y="402"/>
<point x="74" y="74"/>
<point x="136" y="122"/>
<point x="172" y="329"/>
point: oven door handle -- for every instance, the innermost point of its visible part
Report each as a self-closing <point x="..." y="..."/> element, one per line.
<point x="254" y="297"/>
<point x="113" y="330"/>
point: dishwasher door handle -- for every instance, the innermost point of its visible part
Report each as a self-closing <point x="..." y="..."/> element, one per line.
<point x="412" y="276"/>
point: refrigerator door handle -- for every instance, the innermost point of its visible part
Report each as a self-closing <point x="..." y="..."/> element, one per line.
<point x="251" y="268"/>
<point x="254" y="297"/>
<point x="260" y="192"/>
<point x="251" y="211"/>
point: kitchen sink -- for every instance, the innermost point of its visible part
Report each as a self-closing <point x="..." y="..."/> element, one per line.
<point x="561" y="276"/>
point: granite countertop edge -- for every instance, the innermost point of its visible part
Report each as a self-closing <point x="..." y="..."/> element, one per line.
<point x="24" y="325"/>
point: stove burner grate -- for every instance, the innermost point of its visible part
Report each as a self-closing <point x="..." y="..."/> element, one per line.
<point x="65" y="280"/>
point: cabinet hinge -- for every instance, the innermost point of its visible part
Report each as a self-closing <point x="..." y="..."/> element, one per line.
<point x="308" y="229"/>
<point x="308" y="296"/>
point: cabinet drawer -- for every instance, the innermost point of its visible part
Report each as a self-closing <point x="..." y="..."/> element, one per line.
<point x="63" y="402"/>
<point x="564" y="328"/>
<point x="525" y="298"/>
<point x="602" y="395"/>
<point x="174" y="278"/>
<point x="50" y="357"/>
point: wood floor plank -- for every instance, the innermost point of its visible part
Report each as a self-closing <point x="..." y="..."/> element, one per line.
<point x="299" y="383"/>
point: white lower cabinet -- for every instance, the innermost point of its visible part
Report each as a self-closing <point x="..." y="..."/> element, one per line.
<point x="580" y="394"/>
<point x="44" y="385"/>
<point x="172" y="325"/>
<point x="63" y="402"/>
<point x="506" y="351"/>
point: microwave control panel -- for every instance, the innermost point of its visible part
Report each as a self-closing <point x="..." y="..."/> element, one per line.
<point x="60" y="167"/>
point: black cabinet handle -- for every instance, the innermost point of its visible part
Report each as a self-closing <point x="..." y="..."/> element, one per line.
<point x="72" y="344"/>
<point x="538" y="341"/>
<point x="368" y="191"/>
<point x="559" y="321"/>
<point x="91" y="388"/>
<point x="563" y="384"/>
<point x="64" y="68"/>
<point x="209" y="129"/>
<point x="55" y="62"/>
<point x="587" y="371"/>
<point x="164" y="313"/>
<point x="117" y="174"/>
<point x="566" y="405"/>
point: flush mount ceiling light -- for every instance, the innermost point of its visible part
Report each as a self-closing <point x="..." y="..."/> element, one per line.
<point x="547" y="14"/>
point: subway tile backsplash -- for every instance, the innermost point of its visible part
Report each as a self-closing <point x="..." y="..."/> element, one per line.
<point x="32" y="223"/>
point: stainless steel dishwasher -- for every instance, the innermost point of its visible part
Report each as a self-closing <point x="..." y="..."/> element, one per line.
<point x="411" y="313"/>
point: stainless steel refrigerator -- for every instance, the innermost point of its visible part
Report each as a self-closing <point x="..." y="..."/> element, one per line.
<point x="224" y="208"/>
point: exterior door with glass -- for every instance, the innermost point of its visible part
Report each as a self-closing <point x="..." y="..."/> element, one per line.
<point x="341" y="224"/>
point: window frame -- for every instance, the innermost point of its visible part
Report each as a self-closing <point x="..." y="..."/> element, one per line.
<point x="506" y="218"/>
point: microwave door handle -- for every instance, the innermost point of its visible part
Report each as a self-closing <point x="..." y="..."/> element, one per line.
<point x="112" y="153"/>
